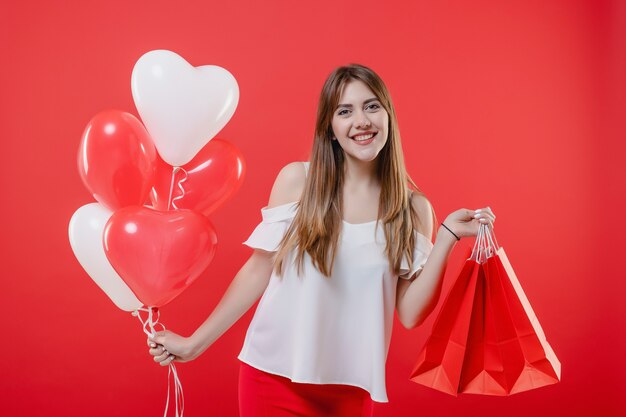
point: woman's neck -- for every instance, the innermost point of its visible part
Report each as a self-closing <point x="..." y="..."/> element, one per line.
<point x="360" y="174"/>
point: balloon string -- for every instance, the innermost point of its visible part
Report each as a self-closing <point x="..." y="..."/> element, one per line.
<point x="148" y="326"/>
<point x="179" y="400"/>
<point x="180" y="187"/>
<point x="179" y="184"/>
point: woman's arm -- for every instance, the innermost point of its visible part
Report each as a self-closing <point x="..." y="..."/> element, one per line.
<point x="416" y="298"/>
<point x="245" y="289"/>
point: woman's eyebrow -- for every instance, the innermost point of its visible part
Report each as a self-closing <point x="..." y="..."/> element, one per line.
<point x="365" y="102"/>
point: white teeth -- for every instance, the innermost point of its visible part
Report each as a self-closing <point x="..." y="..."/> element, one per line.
<point x="364" y="137"/>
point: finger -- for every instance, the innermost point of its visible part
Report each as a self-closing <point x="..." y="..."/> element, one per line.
<point x="159" y="338"/>
<point x="163" y="356"/>
<point x="484" y="215"/>
<point x="488" y="216"/>
<point x="486" y="221"/>
<point x="151" y="343"/>
<point x="488" y="210"/>
<point x="157" y="350"/>
<point x="169" y="360"/>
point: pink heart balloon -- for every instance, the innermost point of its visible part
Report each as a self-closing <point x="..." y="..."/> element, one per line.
<point x="158" y="254"/>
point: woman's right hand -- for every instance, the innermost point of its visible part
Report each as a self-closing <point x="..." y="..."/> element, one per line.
<point x="167" y="347"/>
<point x="465" y="223"/>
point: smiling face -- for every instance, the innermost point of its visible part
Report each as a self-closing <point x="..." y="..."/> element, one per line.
<point x="360" y="122"/>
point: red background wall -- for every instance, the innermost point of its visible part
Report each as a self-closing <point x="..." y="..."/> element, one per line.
<point x="517" y="105"/>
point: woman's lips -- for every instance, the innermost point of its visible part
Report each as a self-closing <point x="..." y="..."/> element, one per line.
<point x="366" y="142"/>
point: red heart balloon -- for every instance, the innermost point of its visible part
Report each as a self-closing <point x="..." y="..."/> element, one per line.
<point x="158" y="254"/>
<point x="117" y="159"/>
<point x="212" y="176"/>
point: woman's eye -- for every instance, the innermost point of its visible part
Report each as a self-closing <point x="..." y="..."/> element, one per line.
<point x="373" y="106"/>
<point x="342" y="112"/>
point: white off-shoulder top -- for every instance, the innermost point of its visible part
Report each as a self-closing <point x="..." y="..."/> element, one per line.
<point x="319" y="330"/>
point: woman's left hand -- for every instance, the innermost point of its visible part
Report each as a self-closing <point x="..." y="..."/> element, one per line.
<point x="465" y="222"/>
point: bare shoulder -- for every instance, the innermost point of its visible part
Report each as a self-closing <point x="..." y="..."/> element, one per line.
<point x="288" y="185"/>
<point x="425" y="212"/>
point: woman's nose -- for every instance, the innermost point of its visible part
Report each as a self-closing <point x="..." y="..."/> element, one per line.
<point x="363" y="121"/>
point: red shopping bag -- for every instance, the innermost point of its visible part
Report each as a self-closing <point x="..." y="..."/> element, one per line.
<point x="506" y="350"/>
<point x="480" y="354"/>
<point x="494" y="357"/>
<point x="541" y="366"/>
<point x="440" y="362"/>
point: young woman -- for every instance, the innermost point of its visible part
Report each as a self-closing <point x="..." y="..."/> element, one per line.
<point x="344" y="239"/>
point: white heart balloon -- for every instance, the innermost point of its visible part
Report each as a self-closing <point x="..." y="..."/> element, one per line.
<point x="183" y="107"/>
<point x="85" y="232"/>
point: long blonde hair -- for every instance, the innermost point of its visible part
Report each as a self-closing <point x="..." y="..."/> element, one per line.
<point x="316" y="226"/>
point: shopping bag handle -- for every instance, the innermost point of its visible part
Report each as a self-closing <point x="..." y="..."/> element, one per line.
<point x="485" y="246"/>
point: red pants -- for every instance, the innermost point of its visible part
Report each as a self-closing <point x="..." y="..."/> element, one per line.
<point x="262" y="394"/>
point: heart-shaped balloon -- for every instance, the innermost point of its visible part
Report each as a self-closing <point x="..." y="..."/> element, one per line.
<point x="116" y="159"/>
<point x="207" y="181"/>
<point x="85" y="233"/>
<point x="158" y="254"/>
<point x="183" y="107"/>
